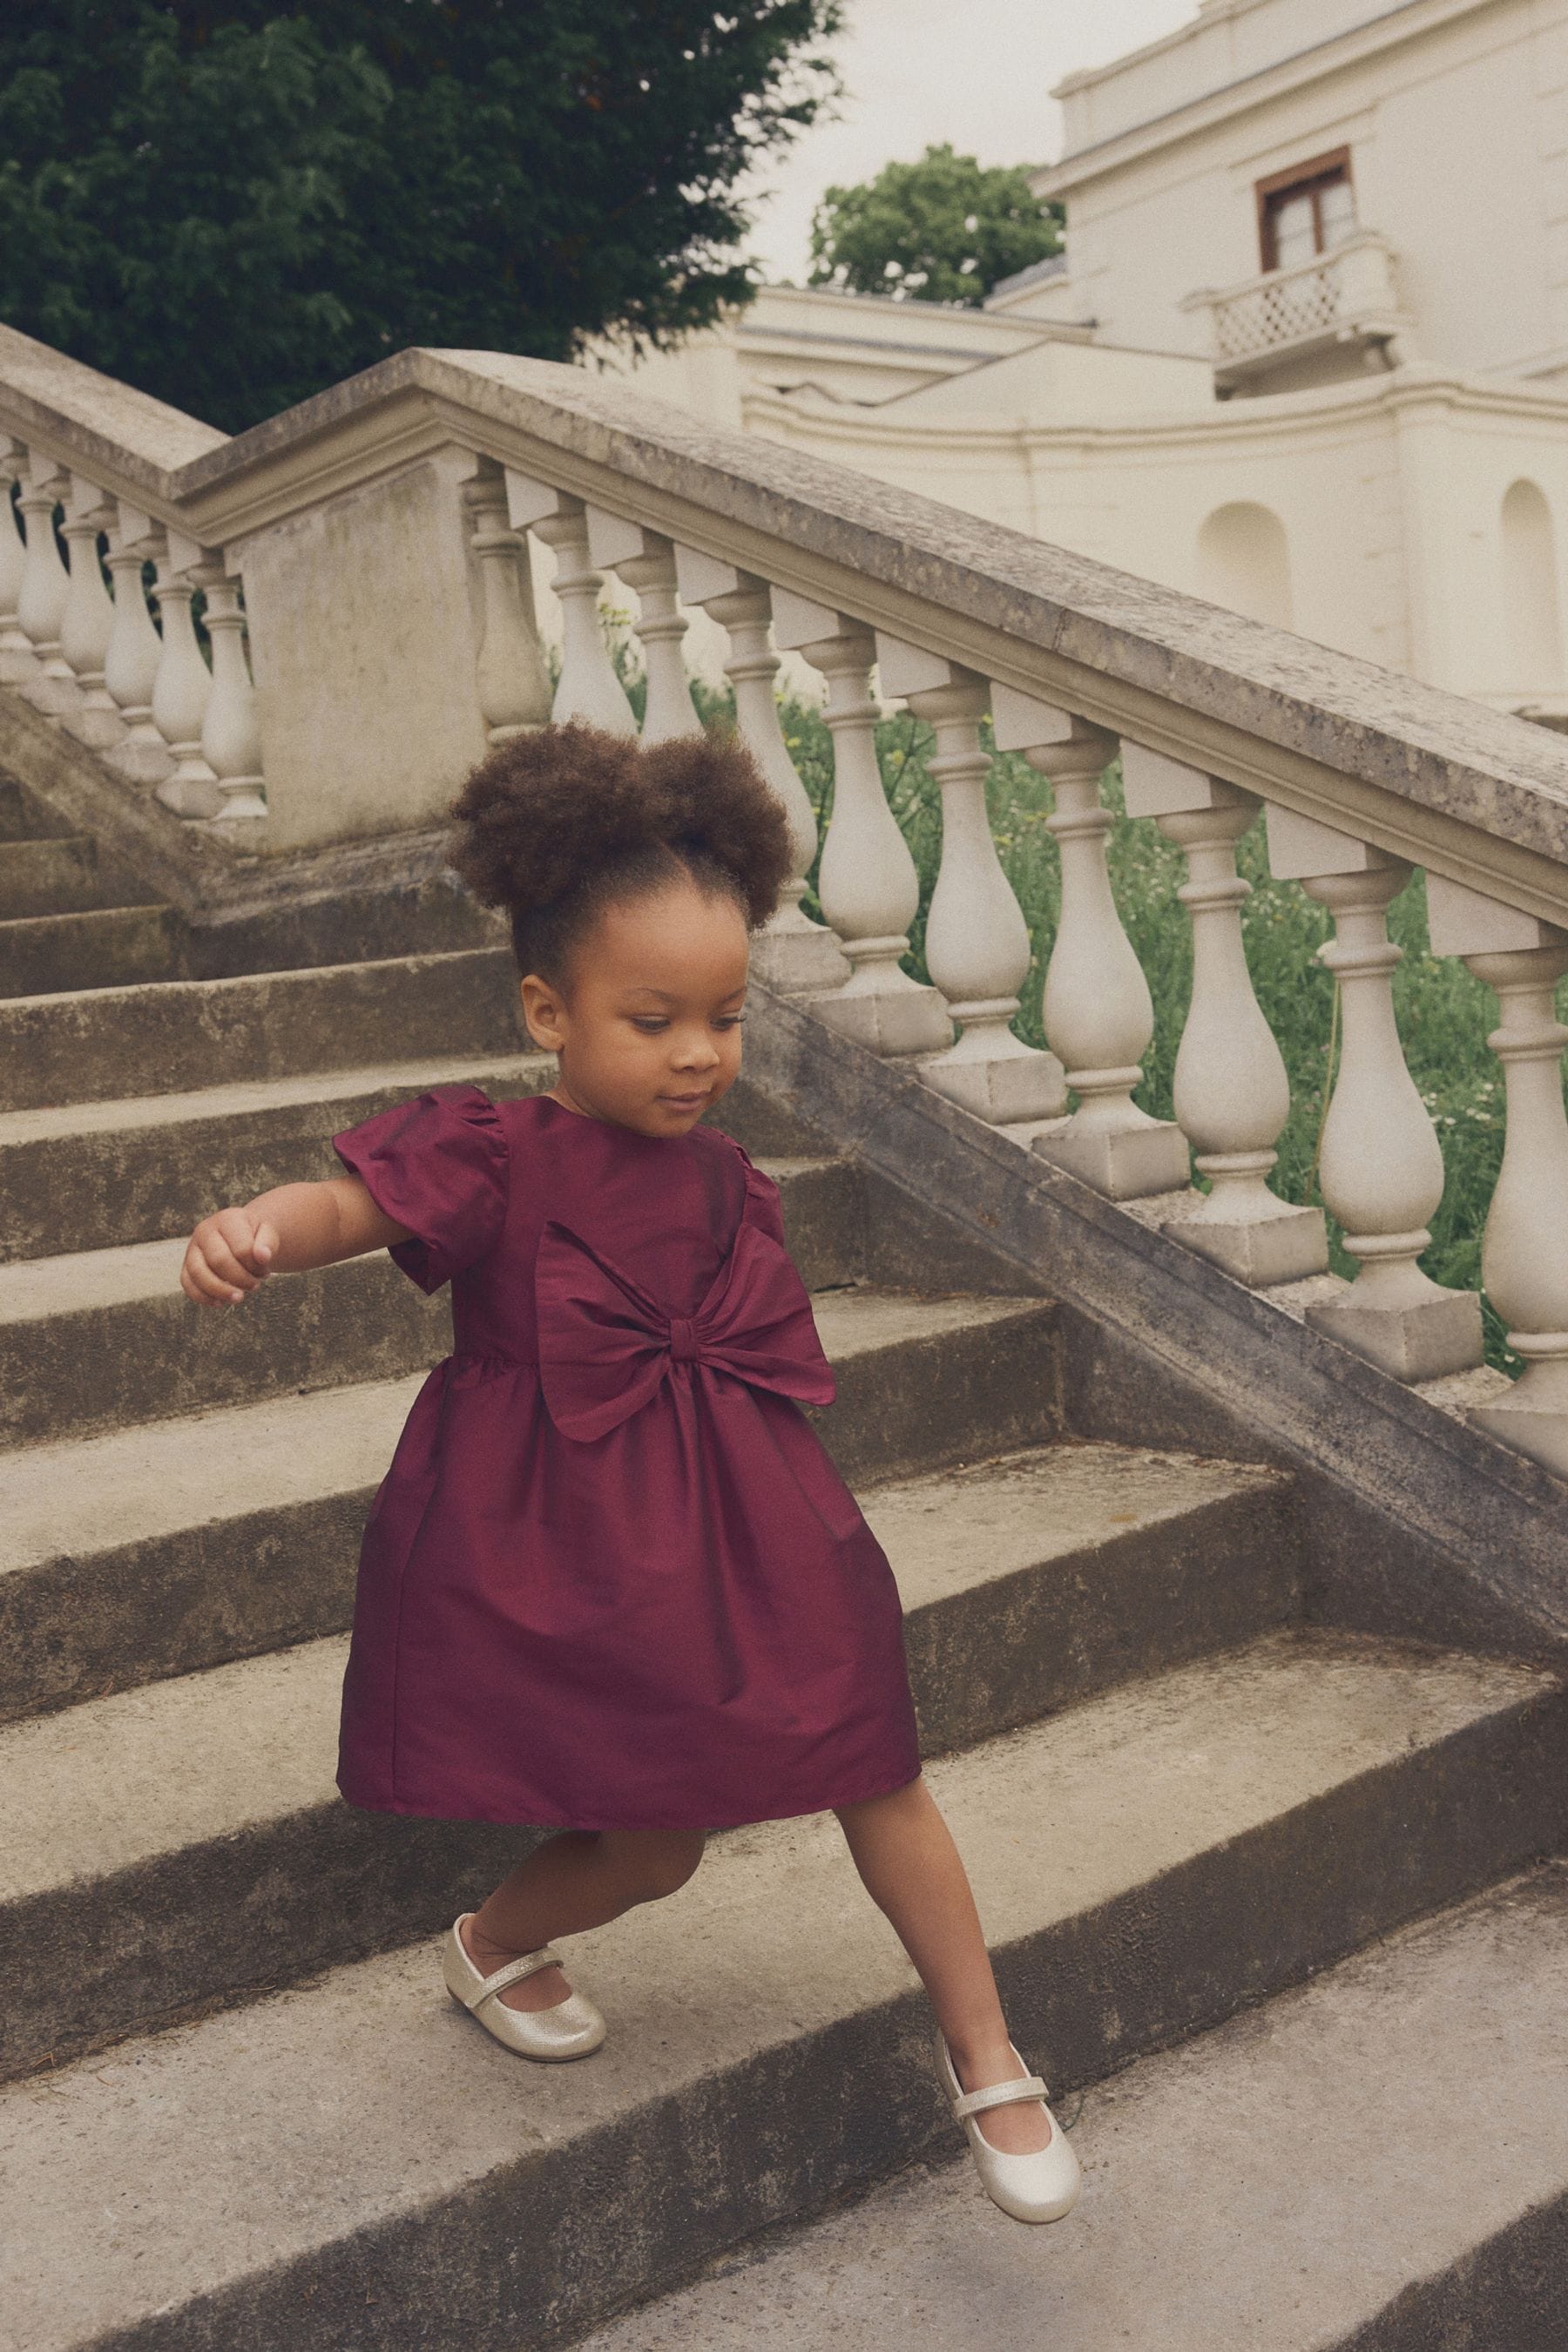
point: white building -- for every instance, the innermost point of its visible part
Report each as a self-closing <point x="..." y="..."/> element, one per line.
<point x="1307" y="352"/>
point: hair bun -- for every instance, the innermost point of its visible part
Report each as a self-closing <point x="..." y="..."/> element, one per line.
<point x="548" y="819"/>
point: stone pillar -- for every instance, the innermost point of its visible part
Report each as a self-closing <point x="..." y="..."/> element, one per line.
<point x="46" y="588"/>
<point x="87" y="622"/>
<point x="1232" y="1091"/>
<point x="514" y="683"/>
<point x="134" y="649"/>
<point x="231" y="732"/>
<point x="645" y="559"/>
<point x="1096" y="1009"/>
<point x="977" y="942"/>
<point x="1524" y="1257"/>
<point x="181" y="689"/>
<point x="792" y="953"/>
<point x="587" y="687"/>
<point x="17" y="659"/>
<point x="867" y="881"/>
<point x="1382" y="1165"/>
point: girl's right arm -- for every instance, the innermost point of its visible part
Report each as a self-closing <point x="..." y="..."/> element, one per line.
<point x="286" y="1231"/>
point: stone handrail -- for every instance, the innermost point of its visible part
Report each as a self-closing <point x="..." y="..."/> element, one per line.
<point x="378" y="532"/>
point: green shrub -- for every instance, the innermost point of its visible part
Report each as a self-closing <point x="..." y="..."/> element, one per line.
<point x="1445" y="1015"/>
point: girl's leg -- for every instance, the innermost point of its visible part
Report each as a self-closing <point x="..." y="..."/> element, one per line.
<point x="576" y="1880"/>
<point x="904" y="1852"/>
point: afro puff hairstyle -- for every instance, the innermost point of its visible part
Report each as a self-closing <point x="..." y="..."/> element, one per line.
<point x="557" y="826"/>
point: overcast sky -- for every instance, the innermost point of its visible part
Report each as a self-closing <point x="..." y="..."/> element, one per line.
<point x="974" y="72"/>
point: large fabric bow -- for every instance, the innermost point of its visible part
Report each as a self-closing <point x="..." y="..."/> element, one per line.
<point x="604" y="1347"/>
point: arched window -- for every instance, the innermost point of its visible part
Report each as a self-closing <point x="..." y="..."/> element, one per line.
<point x="1245" y="562"/>
<point x="1532" y="626"/>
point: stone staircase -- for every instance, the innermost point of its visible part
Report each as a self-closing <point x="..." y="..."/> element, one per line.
<point x="67" y="919"/>
<point x="240" y="2115"/>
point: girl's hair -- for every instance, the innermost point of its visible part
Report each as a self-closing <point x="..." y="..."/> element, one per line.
<point x="556" y="825"/>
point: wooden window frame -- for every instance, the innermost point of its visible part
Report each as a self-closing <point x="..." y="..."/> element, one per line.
<point x="1317" y="171"/>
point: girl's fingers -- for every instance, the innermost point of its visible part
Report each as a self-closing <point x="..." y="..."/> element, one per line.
<point x="224" y="1264"/>
<point x="264" y="1245"/>
<point x="210" y="1284"/>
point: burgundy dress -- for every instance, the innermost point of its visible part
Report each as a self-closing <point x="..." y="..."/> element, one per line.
<point x="612" y="1581"/>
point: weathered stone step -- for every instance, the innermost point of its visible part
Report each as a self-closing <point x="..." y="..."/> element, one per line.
<point x="103" y="1045"/>
<point x="103" y="1339"/>
<point x="149" y="1167"/>
<point x="50" y="877"/>
<point x="1145" y="1865"/>
<point x="1034" y="1579"/>
<point x="22" y="818"/>
<point x="1437" y="2215"/>
<point x="143" y="1903"/>
<point x="116" y="947"/>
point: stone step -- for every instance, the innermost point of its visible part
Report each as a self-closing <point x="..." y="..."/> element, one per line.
<point x="352" y="2163"/>
<point x="103" y="1045"/>
<point x="22" y="818"/>
<point x="153" y="1884"/>
<point x="163" y="1549"/>
<point x="1436" y="2213"/>
<point x="50" y="877"/>
<point x="104" y="1339"/>
<point x="149" y="1167"/>
<point x="115" y="947"/>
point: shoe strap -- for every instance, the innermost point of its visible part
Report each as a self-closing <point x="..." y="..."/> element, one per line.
<point x="998" y="2095"/>
<point x="513" y="1973"/>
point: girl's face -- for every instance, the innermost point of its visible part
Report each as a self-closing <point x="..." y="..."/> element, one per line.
<point x="649" y="1034"/>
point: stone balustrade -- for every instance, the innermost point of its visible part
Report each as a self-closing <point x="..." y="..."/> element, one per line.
<point x="375" y="544"/>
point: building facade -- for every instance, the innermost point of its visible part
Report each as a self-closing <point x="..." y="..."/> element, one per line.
<point x="1306" y="354"/>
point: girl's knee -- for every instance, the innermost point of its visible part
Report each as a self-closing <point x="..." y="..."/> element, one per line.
<point x="658" y="1863"/>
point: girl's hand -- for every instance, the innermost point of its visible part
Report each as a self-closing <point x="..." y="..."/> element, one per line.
<point x="227" y="1256"/>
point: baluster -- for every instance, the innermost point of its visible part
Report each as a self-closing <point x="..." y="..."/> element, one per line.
<point x="977" y="942"/>
<point x="135" y="649"/>
<point x="184" y="682"/>
<point x="646" y="562"/>
<point x="792" y="953"/>
<point x="867" y="881"/>
<point x="514" y="683"/>
<point x="587" y="687"/>
<point x="89" y="619"/>
<point x="1096" y="1009"/>
<point x="1232" y="1089"/>
<point x="231" y="730"/>
<point x="1382" y="1165"/>
<point x="17" y="659"/>
<point x="45" y="587"/>
<point x="1524" y="1255"/>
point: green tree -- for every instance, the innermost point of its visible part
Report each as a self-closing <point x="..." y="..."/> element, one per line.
<point x="233" y="205"/>
<point x="941" y="230"/>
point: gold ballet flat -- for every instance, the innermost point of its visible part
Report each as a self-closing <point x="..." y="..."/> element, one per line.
<point x="571" y="2030"/>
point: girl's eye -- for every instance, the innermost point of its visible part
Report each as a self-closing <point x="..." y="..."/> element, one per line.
<point x="650" y="1025"/>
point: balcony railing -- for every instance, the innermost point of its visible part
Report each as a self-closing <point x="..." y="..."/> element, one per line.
<point x="378" y="536"/>
<point x="1350" y="296"/>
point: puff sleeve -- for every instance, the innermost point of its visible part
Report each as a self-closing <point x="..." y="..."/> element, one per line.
<point x="439" y="1166"/>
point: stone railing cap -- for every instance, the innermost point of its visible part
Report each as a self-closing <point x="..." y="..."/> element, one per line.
<point x="1473" y="792"/>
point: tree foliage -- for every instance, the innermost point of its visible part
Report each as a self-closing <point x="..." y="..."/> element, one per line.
<point x="233" y="203"/>
<point x="944" y="229"/>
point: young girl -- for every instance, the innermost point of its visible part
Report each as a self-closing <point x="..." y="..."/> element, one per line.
<point x="611" y="1583"/>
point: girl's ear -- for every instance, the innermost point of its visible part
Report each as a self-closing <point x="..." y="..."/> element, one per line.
<point x="542" y="1013"/>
